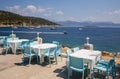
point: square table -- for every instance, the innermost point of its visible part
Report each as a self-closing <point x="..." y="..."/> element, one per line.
<point x="90" y="56"/>
<point x="42" y="46"/>
<point x="15" y="44"/>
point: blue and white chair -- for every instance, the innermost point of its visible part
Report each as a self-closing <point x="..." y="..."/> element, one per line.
<point x="33" y="42"/>
<point x="75" y="49"/>
<point x="58" y="50"/>
<point x="28" y="53"/>
<point x="76" y="64"/>
<point x="2" y="40"/>
<point x="69" y="51"/>
<point x="106" y="67"/>
<point x="50" y="53"/>
<point x="22" y="44"/>
<point x="6" y="46"/>
<point x="56" y="42"/>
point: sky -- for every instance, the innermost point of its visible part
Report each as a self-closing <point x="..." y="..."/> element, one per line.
<point x="63" y="10"/>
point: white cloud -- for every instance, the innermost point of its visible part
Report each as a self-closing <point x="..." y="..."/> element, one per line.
<point x="31" y="8"/>
<point x="41" y="10"/>
<point x="115" y="12"/>
<point x="47" y="15"/>
<point x="15" y="7"/>
<point x="59" y="12"/>
<point x="37" y="11"/>
<point x="49" y="8"/>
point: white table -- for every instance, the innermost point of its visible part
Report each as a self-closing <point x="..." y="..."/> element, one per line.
<point x="40" y="47"/>
<point x="15" y="44"/>
<point x="90" y="56"/>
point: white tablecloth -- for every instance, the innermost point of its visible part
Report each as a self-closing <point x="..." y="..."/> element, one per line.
<point x="15" y="44"/>
<point x="40" y="47"/>
<point x="90" y="56"/>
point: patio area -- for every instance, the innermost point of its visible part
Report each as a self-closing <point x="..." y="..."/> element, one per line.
<point x="11" y="67"/>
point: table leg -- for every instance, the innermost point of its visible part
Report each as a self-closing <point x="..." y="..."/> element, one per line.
<point x="39" y="56"/>
<point x="13" y="47"/>
<point x="90" y="67"/>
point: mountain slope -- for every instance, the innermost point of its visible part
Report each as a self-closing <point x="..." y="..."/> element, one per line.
<point x="12" y="19"/>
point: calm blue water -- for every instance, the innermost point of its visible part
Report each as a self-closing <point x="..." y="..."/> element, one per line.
<point x="104" y="39"/>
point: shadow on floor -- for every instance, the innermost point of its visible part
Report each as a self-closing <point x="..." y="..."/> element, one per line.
<point x="62" y="72"/>
<point x="3" y="52"/>
<point x="25" y="62"/>
<point x="103" y="76"/>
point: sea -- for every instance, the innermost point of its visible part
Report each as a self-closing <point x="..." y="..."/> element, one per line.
<point x="103" y="39"/>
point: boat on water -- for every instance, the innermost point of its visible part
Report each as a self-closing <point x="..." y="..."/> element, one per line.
<point x="65" y="32"/>
<point x="15" y="27"/>
<point x="80" y="29"/>
<point x="52" y="28"/>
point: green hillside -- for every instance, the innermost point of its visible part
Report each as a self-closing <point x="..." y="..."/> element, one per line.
<point x="12" y="19"/>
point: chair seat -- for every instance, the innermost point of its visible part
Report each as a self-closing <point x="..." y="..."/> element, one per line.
<point x="103" y="62"/>
<point x="101" y="67"/>
<point x="47" y="54"/>
<point x="79" y="70"/>
<point x="32" y="54"/>
<point x="106" y="67"/>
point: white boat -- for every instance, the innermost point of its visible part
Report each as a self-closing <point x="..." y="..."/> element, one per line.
<point x="80" y="29"/>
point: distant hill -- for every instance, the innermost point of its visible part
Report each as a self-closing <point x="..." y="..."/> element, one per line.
<point x="12" y="19"/>
<point x="86" y="23"/>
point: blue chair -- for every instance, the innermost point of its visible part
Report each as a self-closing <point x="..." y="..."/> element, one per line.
<point x="27" y="52"/>
<point x="106" y="67"/>
<point x="69" y="51"/>
<point x="22" y="44"/>
<point x="10" y="36"/>
<point x="33" y="42"/>
<point x="50" y="53"/>
<point x="75" y="49"/>
<point x="76" y="64"/>
<point x="2" y="40"/>
<point x="58" y="50"/>
<point x="5" y="45"/>
<point x="56" y="42"/>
